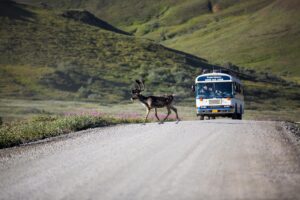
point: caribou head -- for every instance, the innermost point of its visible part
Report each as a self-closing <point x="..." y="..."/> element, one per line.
<point x="136" y="91"/>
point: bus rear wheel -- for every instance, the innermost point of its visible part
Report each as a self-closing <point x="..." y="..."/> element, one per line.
<point x="239" y="116"/>
<point x="234" y="116"/>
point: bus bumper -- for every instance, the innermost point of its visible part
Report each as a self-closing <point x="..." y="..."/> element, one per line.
<point x="215" y="110"/>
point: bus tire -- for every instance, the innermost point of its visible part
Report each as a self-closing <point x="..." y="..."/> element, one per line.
<point x="201" y="117"/>
<point x="239" y="116"/>
<point x="233" y="116"/>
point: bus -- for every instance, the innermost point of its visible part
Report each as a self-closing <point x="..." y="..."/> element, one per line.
<point x="219" y="95"/>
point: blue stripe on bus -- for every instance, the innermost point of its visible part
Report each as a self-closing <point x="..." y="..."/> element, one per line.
<point x="216" y="108"/>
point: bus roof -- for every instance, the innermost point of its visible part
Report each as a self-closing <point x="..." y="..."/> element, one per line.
<point x="216" y="77"/>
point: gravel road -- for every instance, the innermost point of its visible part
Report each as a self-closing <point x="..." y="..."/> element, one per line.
<point x="217" y="159"/>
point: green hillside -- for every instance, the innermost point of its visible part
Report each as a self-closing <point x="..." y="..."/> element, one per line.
<point x="48" y="55"/>
<point x="258" y="34"/>
<point x="265" y="40"/>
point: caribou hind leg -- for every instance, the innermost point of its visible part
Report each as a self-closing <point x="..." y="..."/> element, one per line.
<point x="156" y="114"/>
<point x="175" y="110"/>
<point x="169" y="112"/>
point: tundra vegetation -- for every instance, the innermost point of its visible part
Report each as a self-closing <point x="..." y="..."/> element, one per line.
<point x="42" y="127"/>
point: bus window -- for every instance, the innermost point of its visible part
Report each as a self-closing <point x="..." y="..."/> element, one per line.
<point x="205" y="90"/>
<point x="211" y="90"/>
<point x="223" y="89"/>
<point x="237" y="88"/>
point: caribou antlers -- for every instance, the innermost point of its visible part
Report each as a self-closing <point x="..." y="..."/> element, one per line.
<point x="140" y="83"/>
<point x="155" y="102"/>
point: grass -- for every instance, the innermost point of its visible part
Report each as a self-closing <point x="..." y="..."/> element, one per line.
<point x="20" y="109"/>
<point x="26" y="120"/>
<point x="290" y="115"/>
<point x="49" y="126"/>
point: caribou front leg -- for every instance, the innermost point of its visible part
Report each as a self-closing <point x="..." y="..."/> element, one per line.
<point x="160" y="122"/>
<point x="175" y="110"/>
<point x="148" y="111"/>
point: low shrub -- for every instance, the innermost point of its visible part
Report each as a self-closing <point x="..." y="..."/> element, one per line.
<point x="37" y="128"/>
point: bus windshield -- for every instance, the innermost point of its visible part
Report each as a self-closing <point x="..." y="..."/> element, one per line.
<point x="214" y="90"/>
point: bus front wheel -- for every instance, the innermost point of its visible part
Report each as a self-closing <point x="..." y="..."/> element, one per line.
<point x="234" y="116"/>
<point x="237" y="116"/>
<point x="201" y="117"/>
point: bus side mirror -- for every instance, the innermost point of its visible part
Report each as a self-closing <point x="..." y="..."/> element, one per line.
<point x="193" y="88"/>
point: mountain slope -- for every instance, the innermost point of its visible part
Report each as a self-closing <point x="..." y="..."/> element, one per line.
<point x="88" y="18"/>
<point x="257" y="34"/>
<point x="45" y="55"/>
<point x="267" y="40"/>
<point x="126" y="13"/>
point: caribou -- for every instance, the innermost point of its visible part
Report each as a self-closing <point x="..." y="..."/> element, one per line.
<point x="153" y="102"/>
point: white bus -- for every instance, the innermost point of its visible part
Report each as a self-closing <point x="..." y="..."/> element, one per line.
<point x="219" y="94"/>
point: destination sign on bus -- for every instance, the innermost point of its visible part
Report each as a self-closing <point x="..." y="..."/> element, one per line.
<point x="214" y="78"/>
